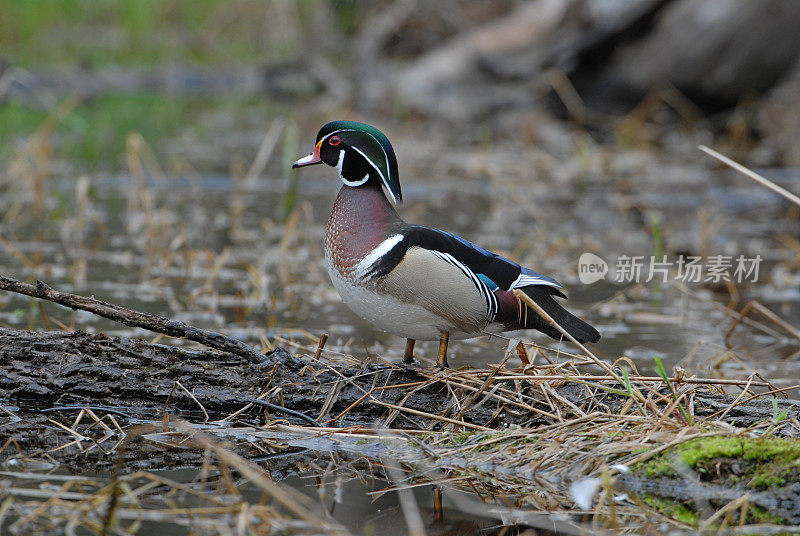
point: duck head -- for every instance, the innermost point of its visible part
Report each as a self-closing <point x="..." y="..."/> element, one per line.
<point x="360" y="153"/>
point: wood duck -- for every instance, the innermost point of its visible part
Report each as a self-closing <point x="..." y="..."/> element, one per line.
<point x="414" y="281"/>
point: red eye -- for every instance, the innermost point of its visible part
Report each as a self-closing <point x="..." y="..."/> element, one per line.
<point x="334" y="140"/>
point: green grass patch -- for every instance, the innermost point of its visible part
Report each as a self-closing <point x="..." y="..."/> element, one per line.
<point x="759" y="515"/>
<point x="140" y="32"/>
<point x="97" y="34"/>
<point x="92" y="136"/>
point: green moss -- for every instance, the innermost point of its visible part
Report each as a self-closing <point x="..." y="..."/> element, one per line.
<point x="685" y="513"/>
<point x="461" y="437"/>
<point x="674" y="510"/>
<point x="759" y="515"/>
<point x="763" y="462"/>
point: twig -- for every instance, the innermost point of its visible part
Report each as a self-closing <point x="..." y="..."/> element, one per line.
<point x="265" y="150"/>
<point x="483" y="387"/>
<point x="350" y="407"/>
<point x="104" y="409"/>
<point x="645" y="379"/>
<point x="408" y="503"/>
<point x="429" y="415"/>
<point x="287" y="411"/>
<point x="754" y="304"/>
<point x="291" y="499"/>
<point x="752" y="174"/>
<point x="137" y="319"/>
<point x="191" y="395"/>
<point x="322" y="340"/>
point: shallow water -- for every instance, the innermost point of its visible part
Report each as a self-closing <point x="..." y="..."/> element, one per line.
<point x="216" y="252"/>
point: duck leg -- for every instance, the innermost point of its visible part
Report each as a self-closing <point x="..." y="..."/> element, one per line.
<point x="443" y="340"/>
<point x="408" y="356"/>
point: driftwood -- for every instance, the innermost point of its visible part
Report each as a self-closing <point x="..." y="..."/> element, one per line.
<point x="77" y="368"/>
<point x="80" y="368"/>
<point x="55" y="376"/>
<point x="143" y="381"/>
<point x="132" y="318"/>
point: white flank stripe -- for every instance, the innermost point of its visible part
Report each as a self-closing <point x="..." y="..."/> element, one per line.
<point x="362" y="268"/>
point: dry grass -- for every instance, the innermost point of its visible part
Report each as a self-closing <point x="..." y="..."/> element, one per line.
<point x="42" y="503"/>
<point x="514" y="473"/>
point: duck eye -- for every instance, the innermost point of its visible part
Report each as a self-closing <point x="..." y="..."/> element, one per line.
<point x="334" y="140"/>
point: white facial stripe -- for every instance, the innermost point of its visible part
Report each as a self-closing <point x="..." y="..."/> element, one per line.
<point x="328" y="136"/>
<point x="385" y="156"/>
<point x="379" y="173"/>
<point x="371" y="163"/>
<point x="362" y="268"/>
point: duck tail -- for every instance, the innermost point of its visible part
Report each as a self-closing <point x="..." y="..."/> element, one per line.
<point x="515" y="314"/>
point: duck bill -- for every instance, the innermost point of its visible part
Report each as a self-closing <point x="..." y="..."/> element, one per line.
<point x="309" y="160"/>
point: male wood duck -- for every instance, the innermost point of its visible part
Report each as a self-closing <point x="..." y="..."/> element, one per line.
<point x="414" y="281"/>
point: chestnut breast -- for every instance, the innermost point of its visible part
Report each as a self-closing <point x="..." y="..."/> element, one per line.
<point x="361" y="219"/>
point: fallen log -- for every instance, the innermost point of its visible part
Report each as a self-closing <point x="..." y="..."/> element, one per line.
<point x="82" y="368"/>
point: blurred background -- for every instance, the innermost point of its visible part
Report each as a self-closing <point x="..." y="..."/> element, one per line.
<point x="145" y="152"/>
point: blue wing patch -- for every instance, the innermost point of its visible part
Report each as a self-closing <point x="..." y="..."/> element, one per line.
<point x="488" y="282"/>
